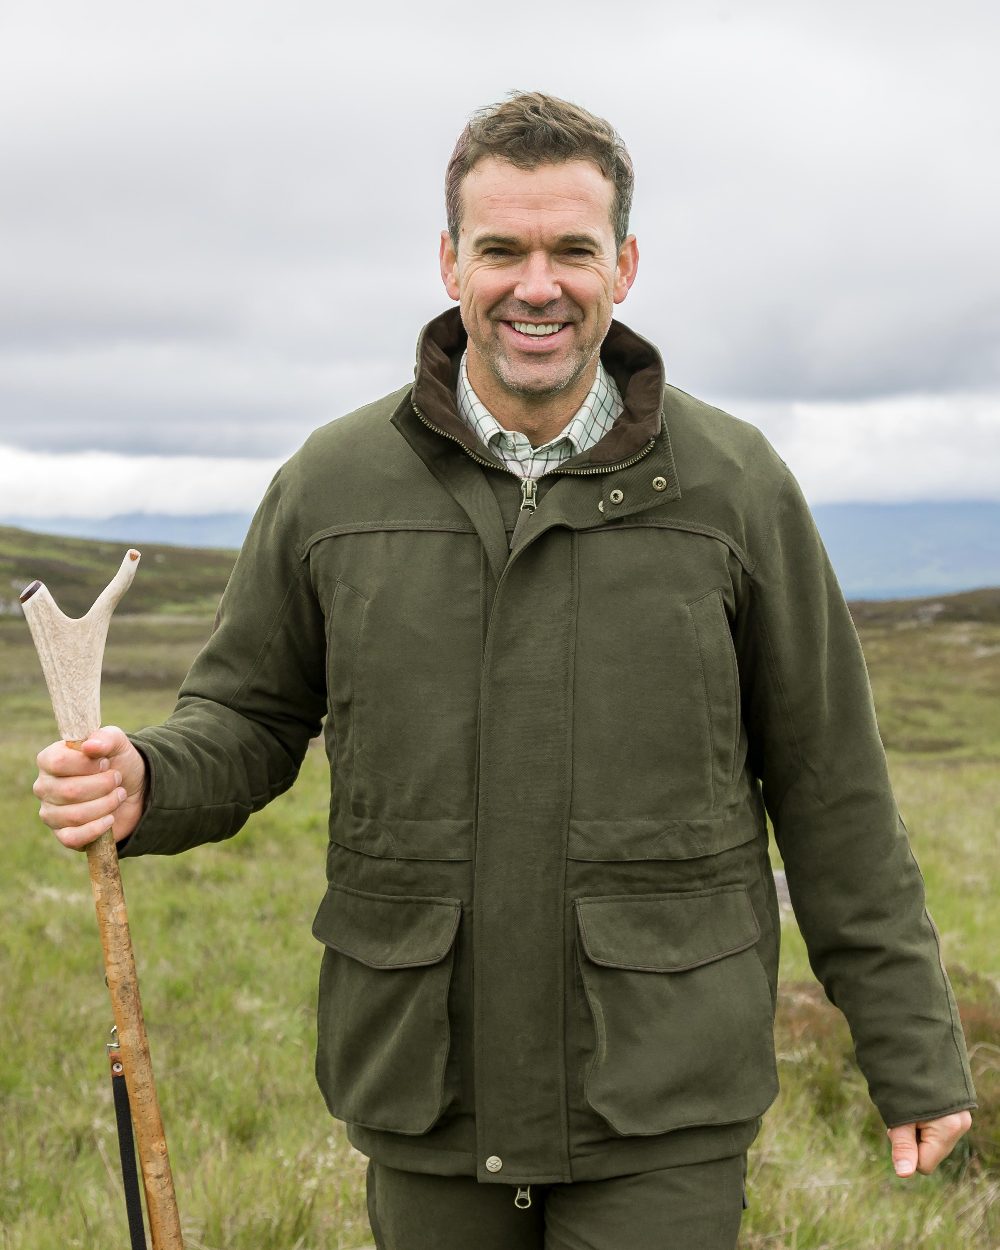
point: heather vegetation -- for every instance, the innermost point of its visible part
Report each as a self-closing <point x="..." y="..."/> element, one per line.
<point x="228" y="967"/>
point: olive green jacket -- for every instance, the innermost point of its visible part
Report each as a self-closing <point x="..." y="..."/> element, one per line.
<point x="550" y="929"/>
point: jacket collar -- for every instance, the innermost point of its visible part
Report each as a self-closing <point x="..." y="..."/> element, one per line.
<point x="634" y="363"/>
<point x="627" y="471"/>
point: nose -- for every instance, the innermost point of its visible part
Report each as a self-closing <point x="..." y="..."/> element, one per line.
<point x="537" y="283"/>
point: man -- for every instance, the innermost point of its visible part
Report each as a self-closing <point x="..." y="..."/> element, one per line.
<point x="572" y="632"/>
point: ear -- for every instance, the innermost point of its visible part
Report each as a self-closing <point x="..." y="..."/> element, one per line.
<point x="449" y="266"/>
<point x="625" y="270"/>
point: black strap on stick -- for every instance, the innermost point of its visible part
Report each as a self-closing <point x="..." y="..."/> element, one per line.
<point x="126" y="1146"/>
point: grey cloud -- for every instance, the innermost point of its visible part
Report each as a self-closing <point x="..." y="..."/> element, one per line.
<point x="225" y="228"/>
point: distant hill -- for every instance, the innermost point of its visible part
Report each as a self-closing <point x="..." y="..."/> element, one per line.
<point x="880" y="551"/>
<point x="190" y="580"/>
<point x="224" y="530"/>
<point x="181" y="581"/>
<point x="892" y="551"/>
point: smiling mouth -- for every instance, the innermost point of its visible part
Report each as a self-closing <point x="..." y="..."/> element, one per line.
<point x="538" y="330"/>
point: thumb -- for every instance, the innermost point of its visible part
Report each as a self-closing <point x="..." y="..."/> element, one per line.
<point x="904" y="1148"/>
<point x="106" y="742"/>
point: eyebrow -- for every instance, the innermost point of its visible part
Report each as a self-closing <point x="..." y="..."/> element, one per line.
<point x="510" y="240"/>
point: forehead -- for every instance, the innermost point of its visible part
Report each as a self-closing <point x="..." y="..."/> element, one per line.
<point x="565" y="197"/>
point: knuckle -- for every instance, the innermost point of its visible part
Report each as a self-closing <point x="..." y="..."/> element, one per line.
<point x="73" y="791"/>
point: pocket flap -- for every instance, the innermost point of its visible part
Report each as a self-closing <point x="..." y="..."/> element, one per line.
<point x="666" y="932"/>
<point x="387" y="930"/>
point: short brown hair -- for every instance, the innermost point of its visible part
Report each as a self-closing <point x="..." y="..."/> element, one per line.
<point x="530" y="129"/>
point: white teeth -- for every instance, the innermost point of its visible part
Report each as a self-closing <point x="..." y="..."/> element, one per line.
<point x="527" y="327"/>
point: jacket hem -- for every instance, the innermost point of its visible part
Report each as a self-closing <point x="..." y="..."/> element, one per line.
<point x="624" y="1157"/>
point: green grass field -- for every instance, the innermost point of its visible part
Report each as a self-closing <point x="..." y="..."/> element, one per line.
<point x="228" y="970"/>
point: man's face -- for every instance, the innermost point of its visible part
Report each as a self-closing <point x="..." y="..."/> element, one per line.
<point x="537" y="273"/>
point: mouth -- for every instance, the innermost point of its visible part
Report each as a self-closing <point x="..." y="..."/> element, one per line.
<point x="536" y="334"/>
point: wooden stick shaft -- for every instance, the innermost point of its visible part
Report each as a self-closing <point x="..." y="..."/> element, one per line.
<point x="119" y="964"/>
<point x="70" y="651"/>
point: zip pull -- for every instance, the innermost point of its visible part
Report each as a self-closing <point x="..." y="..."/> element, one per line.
<point x="522" y="1199"/>
<point x="529" y="502"/>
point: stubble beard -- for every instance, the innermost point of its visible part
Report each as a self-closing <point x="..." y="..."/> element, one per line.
<point x="527" y="387"/>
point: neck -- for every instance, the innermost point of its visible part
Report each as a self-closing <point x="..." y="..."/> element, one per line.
<point x="538" y="417"/>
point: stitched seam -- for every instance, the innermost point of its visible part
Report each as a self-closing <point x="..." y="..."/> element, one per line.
<point x="672" y="523"/>
<point x="708" y="701"/>
<point x="955" y="1024"/>
<point x="772" y="664"/>
<point x="734" y="675"/>
<point x="364" y="527"/>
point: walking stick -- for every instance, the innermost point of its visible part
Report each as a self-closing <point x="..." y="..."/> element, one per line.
<point x="71" y="652"/>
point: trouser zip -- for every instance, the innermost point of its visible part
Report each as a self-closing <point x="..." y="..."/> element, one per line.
<point x="522" y="1199"/>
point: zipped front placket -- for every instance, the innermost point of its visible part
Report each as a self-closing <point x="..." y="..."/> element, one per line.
<point x="529" y="502"/>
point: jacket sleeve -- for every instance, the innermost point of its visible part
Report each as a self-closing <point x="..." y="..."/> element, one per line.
<point x="252" y="700"/>
<point x="854" y="884"/>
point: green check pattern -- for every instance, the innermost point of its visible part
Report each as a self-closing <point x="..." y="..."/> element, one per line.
<point x="592" y="420"/>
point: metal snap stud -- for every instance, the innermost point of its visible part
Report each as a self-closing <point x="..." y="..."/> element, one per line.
<point x="494" y="1163"/>
<point x="616" y="496"/>
<point x="600" y="505"/>
<point x="659" y="483"/>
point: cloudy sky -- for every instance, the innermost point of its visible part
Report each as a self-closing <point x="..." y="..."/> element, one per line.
<point x="219" y="226"/>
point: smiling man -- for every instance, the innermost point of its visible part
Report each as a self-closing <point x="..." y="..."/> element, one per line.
<point x="532" y="256"/>
<point x="574" y="637"/>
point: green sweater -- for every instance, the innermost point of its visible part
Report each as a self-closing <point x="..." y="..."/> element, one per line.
<point x="550" y="932"/>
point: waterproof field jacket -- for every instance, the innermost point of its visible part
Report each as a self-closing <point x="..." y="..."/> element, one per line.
<point x="550" y="930"/>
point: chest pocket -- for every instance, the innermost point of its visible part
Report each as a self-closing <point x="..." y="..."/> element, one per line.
<point x="344" y="624"/>
<point x="721" y="683"/>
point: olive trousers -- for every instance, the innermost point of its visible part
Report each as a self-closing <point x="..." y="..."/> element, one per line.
<point x="694" y="1207"/>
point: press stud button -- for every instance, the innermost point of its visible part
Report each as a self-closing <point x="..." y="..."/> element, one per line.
<point x="659" y="483"/>
<point x="616" y="496"/>
<point x="494" y="1163"/>
<point x="600" y="505"/>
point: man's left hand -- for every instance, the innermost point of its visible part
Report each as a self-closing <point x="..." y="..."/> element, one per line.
<point x="920" y="1147"/>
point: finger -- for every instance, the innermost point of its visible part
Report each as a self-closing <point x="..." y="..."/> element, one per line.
<point x="905" y="1154"/>
<point x="59" y="760"/>
<point x="63" y="816"/>
<point x="79" y="837"/>
<point x="62" y="791"/>
<point x="106" y="742"/>
<point x="938" y="1139"/>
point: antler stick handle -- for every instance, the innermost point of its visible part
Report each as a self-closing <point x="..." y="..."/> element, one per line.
<point x="71" y="652"/>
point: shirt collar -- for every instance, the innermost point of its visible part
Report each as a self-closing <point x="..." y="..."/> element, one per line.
<point x="591" y="421"/>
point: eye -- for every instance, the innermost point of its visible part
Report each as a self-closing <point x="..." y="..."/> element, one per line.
<point x="579" y="252"/>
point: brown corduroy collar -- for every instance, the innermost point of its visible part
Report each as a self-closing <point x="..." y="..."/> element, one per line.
<point x="634" y="363"/>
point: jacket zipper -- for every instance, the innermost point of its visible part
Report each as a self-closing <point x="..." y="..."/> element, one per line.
<point x="529" y="486"/>
<point x="529" y="502"/>
<point x="522" y="1199"/>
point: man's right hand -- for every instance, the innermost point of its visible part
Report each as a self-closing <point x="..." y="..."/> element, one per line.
<point x="84" y="792"/>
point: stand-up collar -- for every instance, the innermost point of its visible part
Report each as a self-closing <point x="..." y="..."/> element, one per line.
<point x="634" y="363"/>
